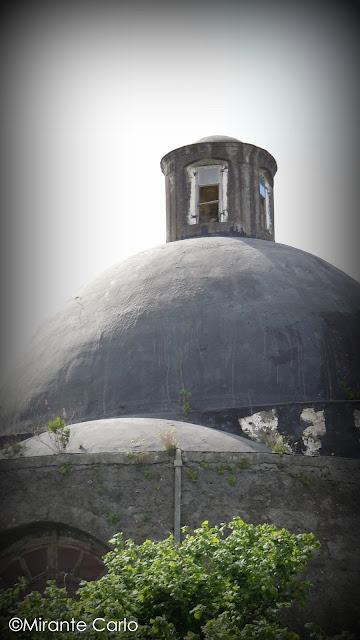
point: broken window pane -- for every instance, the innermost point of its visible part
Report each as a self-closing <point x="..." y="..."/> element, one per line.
<point x="209" y="175"/>
<point x="209" y="212"/>
<point x="209" y="203"/>
<point x="209" y="194"/>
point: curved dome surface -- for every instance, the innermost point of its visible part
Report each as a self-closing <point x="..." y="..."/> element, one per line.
<point x="138" y="435"/>
<point x="218" y="139"/>
<point x="225" y="322"/>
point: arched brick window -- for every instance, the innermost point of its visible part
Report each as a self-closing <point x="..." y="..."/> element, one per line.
<point x="51" y="553"/>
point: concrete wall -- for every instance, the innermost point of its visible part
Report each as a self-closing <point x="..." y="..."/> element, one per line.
<point x="99" y="494"/>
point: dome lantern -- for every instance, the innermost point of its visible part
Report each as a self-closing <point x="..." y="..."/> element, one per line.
<point x="219" y="186"/>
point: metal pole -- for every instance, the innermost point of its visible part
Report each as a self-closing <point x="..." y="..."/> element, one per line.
<point x="177" y="496"/>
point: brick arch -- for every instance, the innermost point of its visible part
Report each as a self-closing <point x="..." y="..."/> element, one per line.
<point x="51" y="552"/>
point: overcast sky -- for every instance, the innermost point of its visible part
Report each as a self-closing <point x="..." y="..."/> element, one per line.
<point x="95" y="97"/>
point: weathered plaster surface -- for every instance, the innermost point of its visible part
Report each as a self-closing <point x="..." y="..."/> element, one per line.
<point x="260" y="423"/>
<point x="314" y="432"/>
<point x="236" y="322"/>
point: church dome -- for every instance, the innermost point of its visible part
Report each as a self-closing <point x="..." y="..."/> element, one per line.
<point x="192" y="327"/>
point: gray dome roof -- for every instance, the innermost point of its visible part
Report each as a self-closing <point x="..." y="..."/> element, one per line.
<point x="134" y="435"/>
<point x="218" y="139"/>
<point x="235" y="322"/>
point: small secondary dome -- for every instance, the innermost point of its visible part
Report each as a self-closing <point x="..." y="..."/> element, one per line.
<point x="218" y="139"/>
<point x="141" y="434"/>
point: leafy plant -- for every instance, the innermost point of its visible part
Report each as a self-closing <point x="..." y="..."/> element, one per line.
<point x="59" y="435"/>
<point x="276" y="442"/>
<point x="139" y="457"/>
<point x="220" y="469"/>
<point x="350" y="392"/>
<point x="185" y="396"/>
<point x="227" y="582"/>
<point x="306" y="480"/>
<point x="113" y="517"/>
<point x="243" y="464"/>
<point x="192" y="474"/>
<point x="65" y="469"/>
<point x="232" y="480"/>
<point x="169" y="440"/>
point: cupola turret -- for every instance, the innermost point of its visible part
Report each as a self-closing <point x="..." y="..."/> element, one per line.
<point x="219" y="186"/>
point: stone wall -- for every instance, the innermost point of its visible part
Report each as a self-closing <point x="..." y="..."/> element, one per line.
<point x="99" y="494"/>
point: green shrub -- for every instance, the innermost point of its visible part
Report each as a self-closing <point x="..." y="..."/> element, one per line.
<point x="244" y="463"/>
<point x="169" y="440"/>
<point x="192" y="474"/>
<point x="59" y="434"/>
<point x="185" y="398"/>
<point x="232" y="480"/>
<point x="226" y="582"/>
<point x="65" y="469"/>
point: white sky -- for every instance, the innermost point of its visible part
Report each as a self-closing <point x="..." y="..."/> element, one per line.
<point x="96" y="98"/>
